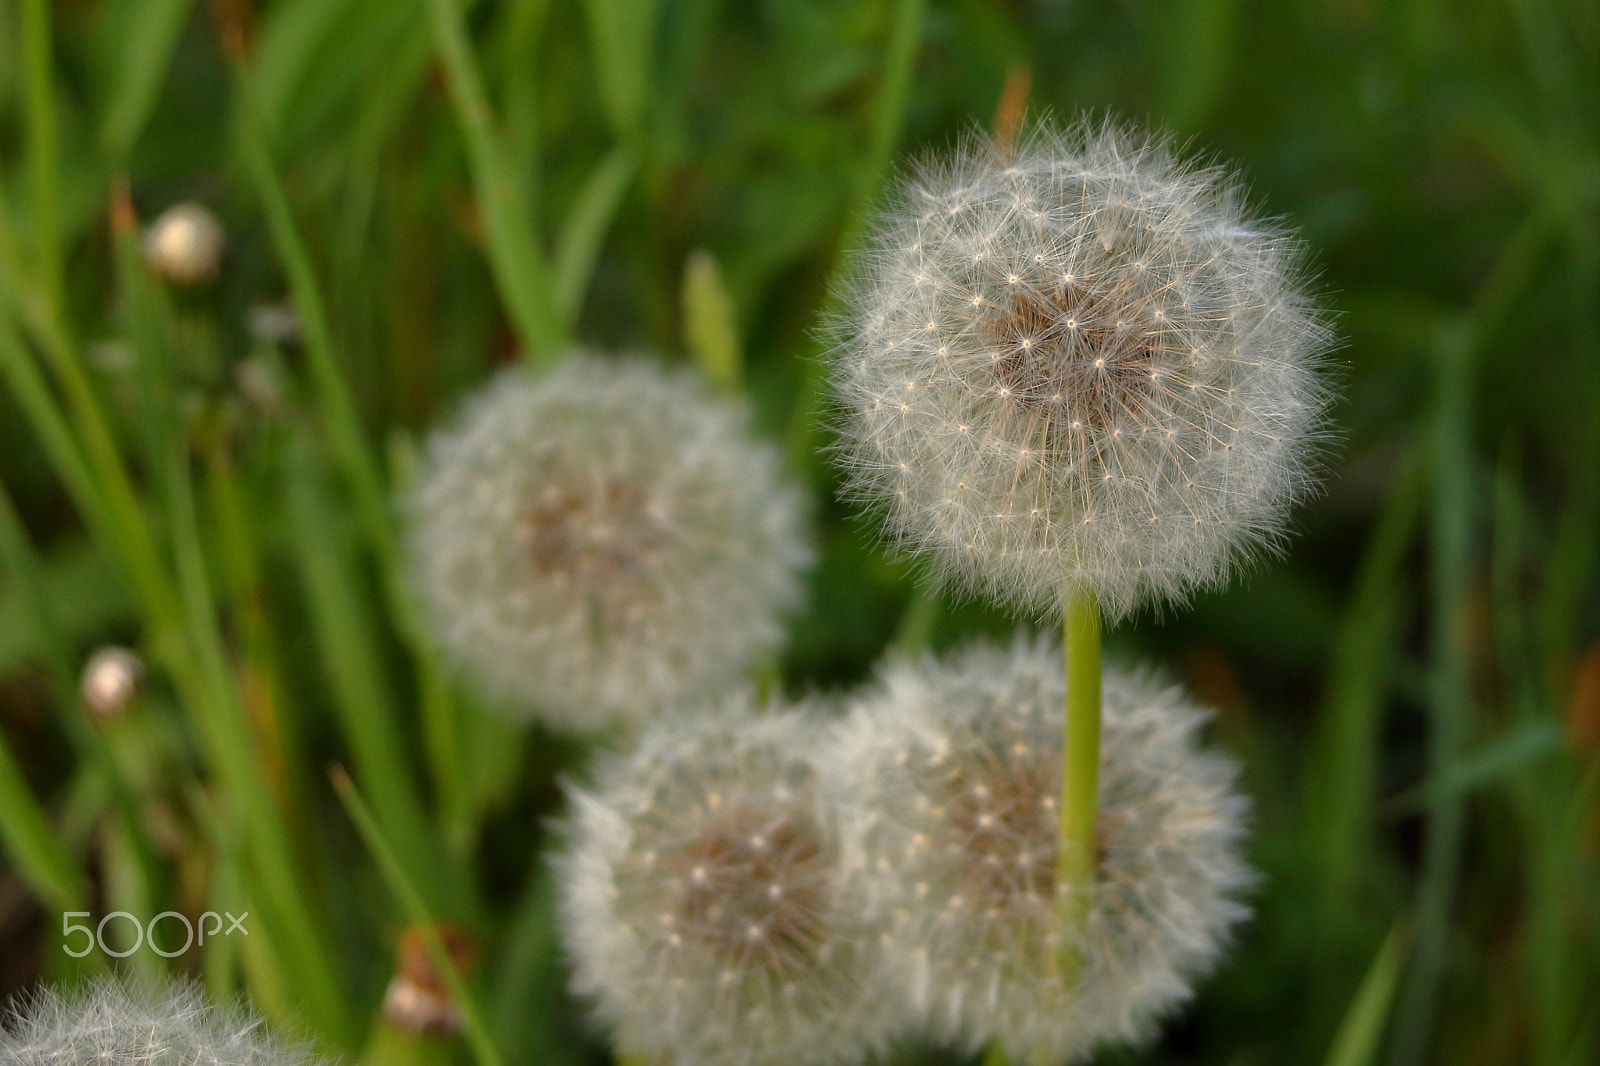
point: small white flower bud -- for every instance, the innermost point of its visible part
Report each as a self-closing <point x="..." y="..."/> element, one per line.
<point x="954" y="770"/>
<point x="106" y="1023"/>
<point x="604" y="540"/>
<point x="1079" y="365"/>
<point x="184" y="244"/>
<point x="110" y="679"/>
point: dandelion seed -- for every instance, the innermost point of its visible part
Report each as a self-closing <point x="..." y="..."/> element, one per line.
<point x="961" y="761"/>
<point x="106" y="1023"/>
<point x="604" y="541"/>
<point x="699" y="899"/>
<point x="1148" y="340"/>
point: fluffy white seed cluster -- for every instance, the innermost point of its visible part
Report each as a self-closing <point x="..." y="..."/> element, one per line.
<point x="605" y="540"/>
<point x="955" y="770"/>
<point x="106" y="1023"/>
<point x="1079" y="364"/>
<point x="700" y="898"/>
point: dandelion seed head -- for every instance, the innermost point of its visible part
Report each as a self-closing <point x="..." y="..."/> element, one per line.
<point x="961" y="761"/>
<point x="604" y="540"/>
<point x="107" y="1023"/>
<point x="699" y="898"/>
<point x="1141" y="336"/>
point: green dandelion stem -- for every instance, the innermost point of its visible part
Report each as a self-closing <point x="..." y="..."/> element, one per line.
<point x="1080" y="777"/>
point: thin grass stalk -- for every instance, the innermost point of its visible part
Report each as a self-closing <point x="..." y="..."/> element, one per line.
<point x="49" y="424"/>
<point x="578" y="245"/>
<point x="79" y="439"/>
<point x="346" y="639"/>
<point x="31" y="842"/>
<point x="334" y="400"/>
<point x="337" y="408"/>
<point x="38" y="86"/>
<point x="1344" y="784"/>
<point x="1450" y="706"/>
<point x="24" y="567"/>
<point x="1360" y="1035"/>
<point x="483" y="1049"/>
<point x="530" y="971"/>
<point x="509" y="234"/>
<point x="172" y="629"/>
<point x="441" y="722"/>
<point x="147" y="49"/>
<point x="233" y="521"/>
<point x="1449" y="678"/>
<point x="205" y="679"/>
<point x="317" y="982"/>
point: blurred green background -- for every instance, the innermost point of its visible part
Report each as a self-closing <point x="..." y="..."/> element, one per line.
<point x="414" y="192"/>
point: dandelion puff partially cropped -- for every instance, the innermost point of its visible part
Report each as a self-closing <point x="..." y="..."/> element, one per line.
<point x="107" y="1023"/>
<point x="1079" y="365"/>
<point x="954" y="769"/>
<point x="604" y="540"/>
<point x="699" y="899"/>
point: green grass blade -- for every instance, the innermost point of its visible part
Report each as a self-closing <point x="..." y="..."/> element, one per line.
<point x="585" y="229"/>
<point x="1450" y="710"/>
<point x="1357" y="1041"/>
<point x="1344" y="780"/>
<point x="1496" y="760"/>
<point x="30" y="839"/>
<point x="622" y="40"/>
<point x="514" y="258"/>
<point x="38" y="67"/>
<point x="147" y="44"/>
<point x="530" y="971"/>
<point x="335" y="402"/>
<point x="211" y="693"/>
<point x="483" y="1049"/>
<point x="291" y="34"/>
<point x="346" y="637"/>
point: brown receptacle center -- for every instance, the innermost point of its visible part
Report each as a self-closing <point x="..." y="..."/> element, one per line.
<point x="1001" y="809"/>
<point x="754" y="887"/>
<point x="1080" y="359"/>
<point x="597" y="538"/>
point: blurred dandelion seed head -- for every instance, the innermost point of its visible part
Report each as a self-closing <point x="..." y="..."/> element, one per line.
<point x="699" y="898"/>
<point x="184" y="244"/>
<point x="956" y="768"/>
<point x="605" y="540"/>
<point x="1081" y="364"/>
<point x="106" y="1023"/>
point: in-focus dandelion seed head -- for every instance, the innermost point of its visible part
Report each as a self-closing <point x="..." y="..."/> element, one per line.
<point x="1080" y="364"/>
<point x="700" y="898"/>
<point x="605" y="540"/>
<point x="108" y="1023"/>
<point x="955" y="770"/>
